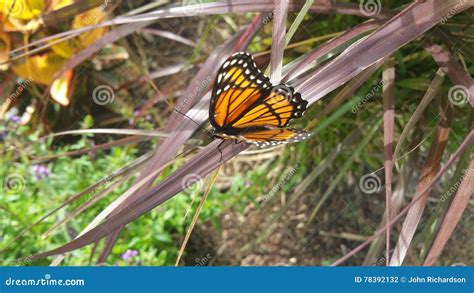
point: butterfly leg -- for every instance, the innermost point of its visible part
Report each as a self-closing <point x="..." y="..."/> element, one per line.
<point x="219" y="149"/>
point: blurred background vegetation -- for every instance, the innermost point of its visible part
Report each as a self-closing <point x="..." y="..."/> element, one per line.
<point x="297" y="205"/>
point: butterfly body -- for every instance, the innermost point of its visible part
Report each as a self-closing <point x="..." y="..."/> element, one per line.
<point x="246" y="106"/>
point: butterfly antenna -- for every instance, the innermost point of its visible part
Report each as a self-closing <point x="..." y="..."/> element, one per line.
<point x="178" y="111"/>
<point x="211" y="135"/>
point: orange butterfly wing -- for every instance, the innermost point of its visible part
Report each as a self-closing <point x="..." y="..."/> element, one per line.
<point x="239" y="85"/>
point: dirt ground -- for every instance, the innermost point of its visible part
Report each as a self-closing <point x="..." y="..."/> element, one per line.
<point x="253" y="239"/>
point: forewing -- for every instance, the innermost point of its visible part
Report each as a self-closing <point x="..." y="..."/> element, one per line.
<point x="239" y="85"/>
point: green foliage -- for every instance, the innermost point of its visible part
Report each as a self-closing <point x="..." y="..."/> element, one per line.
<point x="156" y="236"/>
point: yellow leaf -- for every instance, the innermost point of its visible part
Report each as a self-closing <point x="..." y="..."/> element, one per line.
<point x="90" y="17"/>
<point x="22" y="9"/>
<point x="9" y="26"/>
<point x="5" y="47"/>
<point x="40" y="68"/>
<point x="68" y="48"/>
<point x="56" y="4"/>
<point x="64" y="49"/>
<point x="61" y="88"/>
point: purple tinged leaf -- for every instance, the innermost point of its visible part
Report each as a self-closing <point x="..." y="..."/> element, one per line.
<point x="305" y="64"/>
<point x="401" y="29"/>
<point x="418" y="196"/>
<point x="455" y="71"/>
<point x="278" y="39"/>
<point x="388" y="78"/>
<point x="185" y="11"/>
<point x="455" y="211"/>
<point x="169" y="35"/>
<point x="428" y="171"/>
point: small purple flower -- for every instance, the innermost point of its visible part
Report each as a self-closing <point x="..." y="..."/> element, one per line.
<point x="40" y="171"/>
<point x="129" y="254"/>
<point x="15" y="118"/>
<point x="248" y="183"/>
<point x="136" y="113"/>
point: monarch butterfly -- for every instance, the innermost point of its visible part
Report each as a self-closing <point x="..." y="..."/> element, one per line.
<point x="246" y="106"/>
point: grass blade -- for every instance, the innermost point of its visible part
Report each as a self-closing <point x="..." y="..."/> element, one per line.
<point x="212" y="180"/>
<point x="305" y="64"/>
<point x="401" y="29"/>
<point x="455" y="211"/>
<point x="388" y="78"/>
<point x="278" y="39"/>
<point x="420" y="109"/>
<point x="419" y="195"/>
<point x="299" y="18"/>
<point x="430" y="168"/>
<point x="342" y="171"/>
<point x="453" y="69"/>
